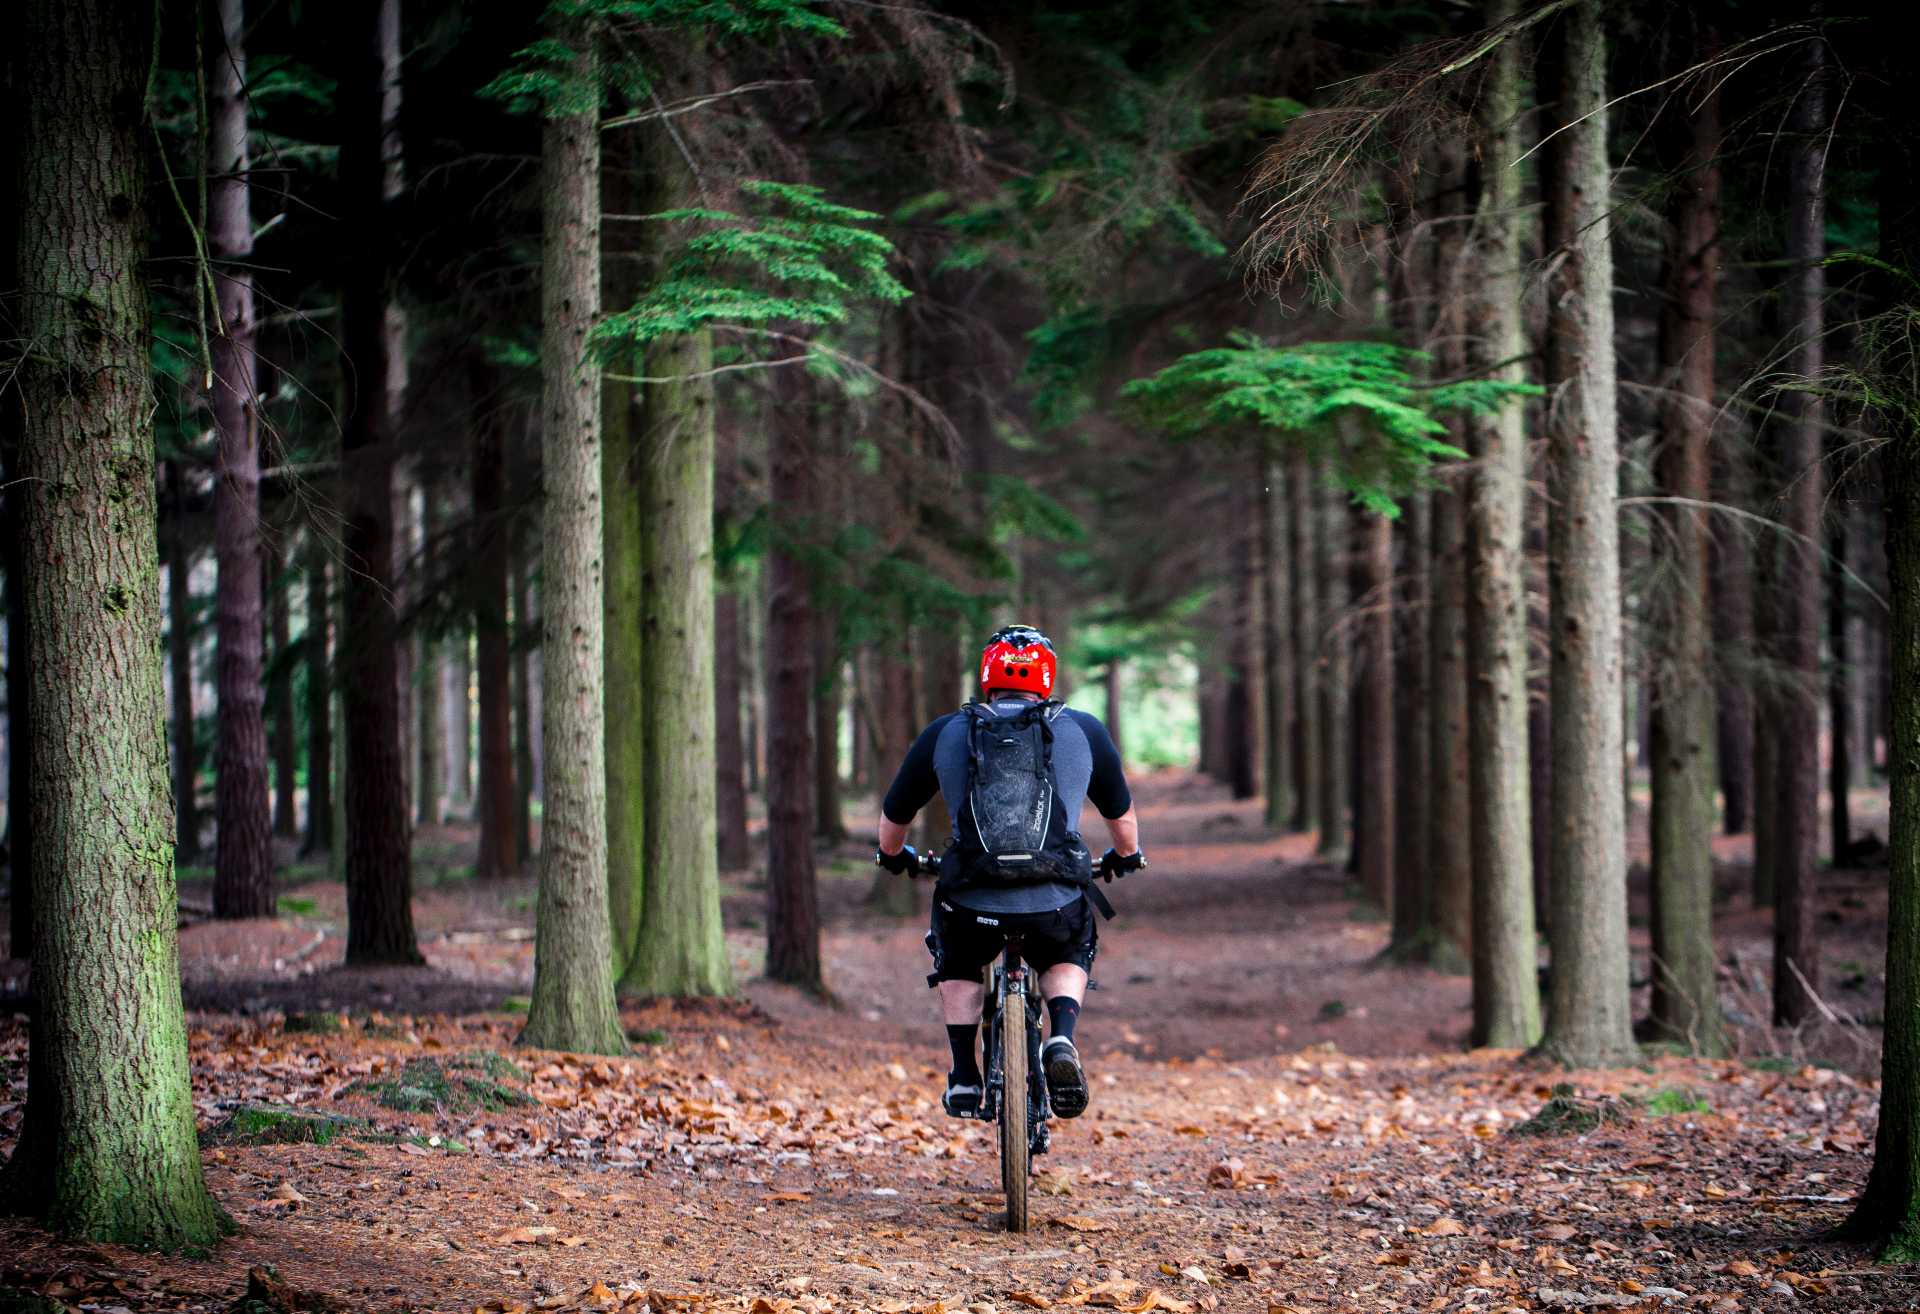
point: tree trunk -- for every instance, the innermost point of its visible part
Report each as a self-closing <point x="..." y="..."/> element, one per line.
<point x="1590" y="1021"/>
<point x="1730" y="568"/>
<point x="889" y="895"/>
<point x="1840" y="659"/>
<point x="624" y="532"/>
<point x="457" y="721"/>
<point x="572" y="1006"/>
<point x="496" y="798"/>
<point x="1506" y="992"/>
<point x="730" y="796"/>
<point x="1412" y="892"/>
<point x="1449" y="845"/>
<point x="1686" y="1004"/>
<point x="107" y="1149"/>
<point x="828" y="824"/>
<point x="186" y="750"/>
<point x="319" y="620"/>
<point x="522" y="634"/>
<point x="1246" y="680"/>
<point x="243" y="825"/>
<point x="286" y="820"/>
<point x="936" y="662"/>
<point x="793" y="911"/>
<point x="1373" y="810"/>
<point x="1276" y="646"/>
<point x="1796" y="726"/>
<point x="1330" y="564"/>
<point x="1303" y="613"/>
<point x="430" y="695"/>
<point x="18" y="837"/>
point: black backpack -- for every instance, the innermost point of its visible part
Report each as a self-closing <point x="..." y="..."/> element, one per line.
<point x="1012" y="826"/>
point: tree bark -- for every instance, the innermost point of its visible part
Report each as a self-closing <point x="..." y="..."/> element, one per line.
<point x="1330" y="564"/>
<point x="430" y="696"/>
<point x="1412" y="891"/>
<point x="793" y="913"/>
<point x="828" y="825"/>
<point x="1506" y="993"/>
<point x="18" y="838"/>
<point x="1246" y="679"/>
<point x="284" y="733"/>
<point x="457" y="721"/>
<point x="1840" y="659"/>
<point x="1449" y="845"/>
<point x="1796" y="727"/>
<point x="496" y="798"/>
<point x="889" y="895"/>
<point x="526" y="729"/>
<point x="1374" y="804"/>
<point x="730" y="797"/>
<point x="1303" y="614"/>
<point x="1276" y="646"/>
<point x="1730" y="567"/>
<point x="1590" y="1021"/>
<point x="107" y="1149"/>
<point x="379" y="867"/>
<point x="243" y="829"/>
<point x="319" y="619"/>
<point x="186" y="748"/>
<point x="573" y="1006"/>
<point x="1686" y="1005"/>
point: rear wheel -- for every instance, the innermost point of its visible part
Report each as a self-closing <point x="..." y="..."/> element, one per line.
<point x="1015" y="1106"/>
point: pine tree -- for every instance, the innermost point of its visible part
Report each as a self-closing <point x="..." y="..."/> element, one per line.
<point x="573" y="1005"/>
<point x="107" y="1149"/>
<point x="1590" y="1022"/>
<point x="495" y="795"/>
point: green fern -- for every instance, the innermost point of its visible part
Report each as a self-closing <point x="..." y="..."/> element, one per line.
<point x="1311" y="394"/>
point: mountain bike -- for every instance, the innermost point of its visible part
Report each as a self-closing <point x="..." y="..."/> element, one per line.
<point x="1010" y="1016"/>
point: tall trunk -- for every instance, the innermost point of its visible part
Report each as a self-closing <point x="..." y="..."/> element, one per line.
<point x="1449" y="845"/>
<point x="1730" y="568"/>
<point x="1330" y="564"/>
<point x="379" y="869"/>
<point x="186" y="751"/>
<point x="753" y="739"/>
<point x="1506" y="992"/>
<point x="286" y="821"/>
<point x="793" y="911"/>
<point x="891" y="895"/>
<point x="936" y="650"/>
<point x="572" y="1006"/>
<point x="457" y="720"/>
<point x="1686" y="991"/>
<point x="1303" y="618"/>
<point x="243" y="825"/>
<point x="1412" y="893"/>
<point x="522" y="632"/>
<point x="319" y="619"/>
<point x="1112" y="686"/>
<point x="1840" y="659"/>
<point x="730" y="791"/>
<point x="1276" y="646"/>
<point x="1539" y="701"/>
<point x="18" y="837"/>
<point x="495" y="797"/>
<point x="828" y="824"/>
<point x="624" y="532"/>
<point x="1796" y="727"/>
<point x="107" y="1149"/>
<point x="429" y="695"/>
<point x="1373" y="805"/>
<point x="1246" y="737"/>
<point x="1590" y="1020"/>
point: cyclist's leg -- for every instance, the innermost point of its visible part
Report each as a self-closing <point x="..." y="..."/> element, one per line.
<point x="961" y="949"/>
<point x="1064" y="959"/>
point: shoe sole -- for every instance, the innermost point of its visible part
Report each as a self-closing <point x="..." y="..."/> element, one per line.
<point x="1066" y="1085"/>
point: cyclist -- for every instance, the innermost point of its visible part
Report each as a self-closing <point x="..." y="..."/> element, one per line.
<point x="1014" y="764"/>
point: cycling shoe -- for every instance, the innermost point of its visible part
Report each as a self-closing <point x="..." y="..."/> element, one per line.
<point x="961" y="1101"/>
<point x="1066" y="1079"/>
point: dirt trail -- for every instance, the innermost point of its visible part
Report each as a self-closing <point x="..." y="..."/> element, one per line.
<point x="1278" y="1121"/>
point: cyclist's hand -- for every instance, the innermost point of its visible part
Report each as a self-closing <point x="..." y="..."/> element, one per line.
<point x="1113" y="864"/>
<point x="898" y="863"/>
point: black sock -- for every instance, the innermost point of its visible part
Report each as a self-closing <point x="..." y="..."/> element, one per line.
<point x="965" y="1066"/>
<point x="1063" y="1011"/>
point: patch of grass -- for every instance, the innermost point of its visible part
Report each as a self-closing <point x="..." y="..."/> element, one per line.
<point x="1566" y="1114"/>
<point x="427" y="1085"/>
<point x="316" y="1024"/>
<point x="290" y="905"/>
<point x="1332" y="1009"/>
<point x="266" y="1124"/>
<point x="651" y="1036"/>
<point x="522" y="903"/>
<point x="515" y="1004"/>
<point x="1671" y="1101"/>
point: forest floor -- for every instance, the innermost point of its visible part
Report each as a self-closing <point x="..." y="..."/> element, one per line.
<point x="1281" y="1121"/>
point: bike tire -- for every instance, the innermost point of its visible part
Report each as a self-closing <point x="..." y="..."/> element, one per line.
<point x="1015" y="1107"/>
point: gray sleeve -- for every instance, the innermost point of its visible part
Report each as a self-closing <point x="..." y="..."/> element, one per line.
<point x="1107" y="787"/>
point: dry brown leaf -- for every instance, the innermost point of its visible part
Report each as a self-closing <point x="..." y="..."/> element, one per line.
<point x="571" y="1242"/>
<point x="527" y="1236"/>
<point x="1395" y="1258"/>
<point x="1558" y="1232"/>
<point x="1445" y="1227"/>
<point x="1228" y="1174"/>
<point x="1157" y="1299"/>
<point x="1031" y="1299"/>
<point x="1082" y="1223"/>
<point x="1742" y="1268"/>
<point x="761" y="1305"/>
<point x="600" y="1294"/>
<point x="787" y="1197"/>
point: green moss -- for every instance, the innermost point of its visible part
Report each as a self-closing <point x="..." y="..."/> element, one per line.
<point x="651" y="1036"/>
<point x="1333" y="1009"/>
<point x="515" y="1004"/>
<point x="471" y="1082"/>
<point x="293" y="906"/>
<point x="1670" y="1101"/>
<point x="318" y="1024"/>
<point x="265" y="1124"/>
<point x="1566" y="1114"/>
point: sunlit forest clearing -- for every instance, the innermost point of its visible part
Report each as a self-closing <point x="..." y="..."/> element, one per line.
<point x="585" y="579"/>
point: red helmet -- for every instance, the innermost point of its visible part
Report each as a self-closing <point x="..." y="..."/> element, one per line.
<point x="1019" y="658"/>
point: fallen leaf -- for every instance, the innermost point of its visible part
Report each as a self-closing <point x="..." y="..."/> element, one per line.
<point x="1395" y="1258"/>
<point x="1157" y="1299"/>
<point x="600" y="1294"/>
<point x="1558" y="1232"/>
<point x="527" y="1236"/>
<point x="787" y="1197"/>
<point x="1742" y="1268"/>
<point x="761" y="1305"/>
<point x="1031" y="1299"/>
<point x="1445" y="1227"/>
<point x="1229" y="1174"/>
<point x="571" y="1242"/>
<point x="1082" y="1223"/>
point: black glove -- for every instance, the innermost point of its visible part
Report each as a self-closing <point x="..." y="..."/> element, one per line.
<point x="898" y="863"/>
<point x="1112" y="864"/>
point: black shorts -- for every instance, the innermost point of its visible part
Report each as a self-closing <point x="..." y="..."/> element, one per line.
<point x="963" y="941"/>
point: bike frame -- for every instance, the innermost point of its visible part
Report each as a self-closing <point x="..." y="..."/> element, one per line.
<point x="1010" y="989"/>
